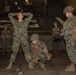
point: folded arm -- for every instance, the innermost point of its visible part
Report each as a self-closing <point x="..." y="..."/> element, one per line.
<point x="29" y="16"/>
<point x="11" y="16"/>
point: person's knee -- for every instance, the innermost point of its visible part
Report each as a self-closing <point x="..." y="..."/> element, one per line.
<point x="28" y="57"/>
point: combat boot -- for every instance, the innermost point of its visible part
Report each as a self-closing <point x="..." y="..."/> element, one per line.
<point x="70" y="68"/>
<point x="30" y="65"/>
<point x="42" y="65"/>
<point x="49" y="56"/>
<point x="9" y="66"/>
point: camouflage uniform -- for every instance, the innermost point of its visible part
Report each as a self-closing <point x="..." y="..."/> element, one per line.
<point x="39" y="50"/>
<point x="70" y="44"/>
<point x="56" y="37"/>
<point x="5" y="40"/>
<point x="11" y="35"/>
<point x="20" y="36"/>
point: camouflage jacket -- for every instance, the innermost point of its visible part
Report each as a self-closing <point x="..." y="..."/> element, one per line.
<point x="5" y="34"/>
<point x="20" y="28"/>
<point x="55" y="31"/>
<point x="39" y="48"/>
<point x="67" y="27"/>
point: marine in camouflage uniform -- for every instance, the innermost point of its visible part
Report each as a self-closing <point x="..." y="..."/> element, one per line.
<point x="56" y="37"/>
<point x="5" y="40"/>
<point x="39" y="51"/>
<point x="20" y="37"/>
<point x="66" y="32"/>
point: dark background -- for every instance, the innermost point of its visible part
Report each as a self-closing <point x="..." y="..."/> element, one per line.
<point x="38" y="7"/>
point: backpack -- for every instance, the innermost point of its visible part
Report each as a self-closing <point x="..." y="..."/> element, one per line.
<point x="73" y="32"/>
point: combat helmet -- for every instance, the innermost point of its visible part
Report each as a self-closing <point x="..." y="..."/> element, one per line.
<point x="68" y="9"/>
<point x="34" y="37"/>
<point x="55" y="22"/>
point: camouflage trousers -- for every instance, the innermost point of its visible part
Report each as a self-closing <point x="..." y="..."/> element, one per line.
<point x="41" y="58"/>
<point x="15" y="47"/>
<point x="71" y="50"/>
<point x="56" y="45"/>
<point x="5" y="45"/>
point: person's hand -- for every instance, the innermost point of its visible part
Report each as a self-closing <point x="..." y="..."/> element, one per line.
<point x="62" y="30"/>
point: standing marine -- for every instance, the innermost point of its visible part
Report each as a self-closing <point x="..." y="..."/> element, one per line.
<point x="5" y="40"/>
<point x="20" y="37"/>
<point x="66" y="32"/>
<point x="56" y="37"/>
